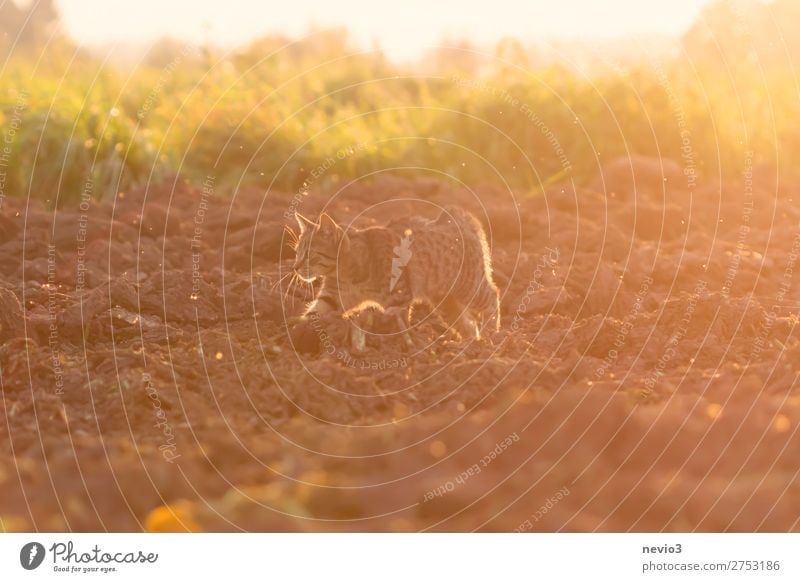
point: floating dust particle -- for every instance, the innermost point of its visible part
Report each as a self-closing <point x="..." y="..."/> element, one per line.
<point x="713" y="410"/>
<point x="218" y="356"/>
<point x="460" y="407"/>
<point x="437" y="449"/>
<point x="782" y="423"/>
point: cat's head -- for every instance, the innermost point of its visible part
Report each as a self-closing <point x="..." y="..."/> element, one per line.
<point x="319" y="247"/>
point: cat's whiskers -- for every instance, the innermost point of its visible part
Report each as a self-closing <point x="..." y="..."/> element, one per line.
<point x="289" y="286"/>
<point x="281" y="280"/>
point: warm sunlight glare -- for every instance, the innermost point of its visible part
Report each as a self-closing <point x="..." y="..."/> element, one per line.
<point x="403" y="30"/>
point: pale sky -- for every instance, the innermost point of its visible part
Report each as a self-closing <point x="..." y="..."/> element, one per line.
<point x="404" y="28"/>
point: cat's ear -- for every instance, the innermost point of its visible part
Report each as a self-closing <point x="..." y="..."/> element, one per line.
<point x="303" y="222"/>
<point x="329" y="224"/>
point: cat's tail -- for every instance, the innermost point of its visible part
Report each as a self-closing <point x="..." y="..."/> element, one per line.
<point x="487" y="297"/>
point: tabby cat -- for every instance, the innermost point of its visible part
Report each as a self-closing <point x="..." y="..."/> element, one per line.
<point x="445" y="263"/>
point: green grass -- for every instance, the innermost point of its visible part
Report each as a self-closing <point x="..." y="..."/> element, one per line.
<point x="267" y="116"/>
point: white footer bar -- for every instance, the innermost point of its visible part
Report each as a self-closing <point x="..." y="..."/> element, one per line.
<point x="401" y="557"/>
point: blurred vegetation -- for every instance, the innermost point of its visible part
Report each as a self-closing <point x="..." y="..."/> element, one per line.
<point x="267" y="115"/>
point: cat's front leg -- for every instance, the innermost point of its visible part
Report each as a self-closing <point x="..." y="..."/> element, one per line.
<point x="358" y="339"/>
<point x="400" y="315"/>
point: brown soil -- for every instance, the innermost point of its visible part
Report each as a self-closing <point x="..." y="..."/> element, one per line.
<point x="645" y="377"/>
